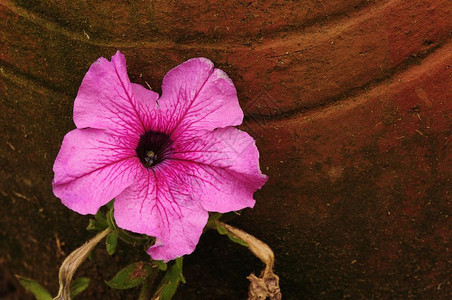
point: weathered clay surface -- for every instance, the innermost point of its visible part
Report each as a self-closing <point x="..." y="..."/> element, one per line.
<point x="365" y="187"/>
<point x="300" y="68"/>
<point x="349" y="101"/>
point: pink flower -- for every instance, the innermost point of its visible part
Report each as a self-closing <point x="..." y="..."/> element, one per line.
<point x="167" y="161"/>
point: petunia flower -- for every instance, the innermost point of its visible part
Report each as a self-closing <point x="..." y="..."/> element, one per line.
<point x="166" y="160"/>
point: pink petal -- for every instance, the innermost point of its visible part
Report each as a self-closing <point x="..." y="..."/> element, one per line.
<point x="105" y="99"/>
<point x="195" y="96"/>
<point x="147" y="107"/>
<point x="156" y="206"/>
<point x="92" y="168"/>
<point x="222" y="168"/>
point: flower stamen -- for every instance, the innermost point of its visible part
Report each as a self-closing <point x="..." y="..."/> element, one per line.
<point x="153" y="148"/>
<point x="150" y="157"/>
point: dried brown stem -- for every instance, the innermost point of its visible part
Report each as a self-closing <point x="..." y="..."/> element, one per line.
<point x="72" y="262"/>
<point x="266" y="286"/>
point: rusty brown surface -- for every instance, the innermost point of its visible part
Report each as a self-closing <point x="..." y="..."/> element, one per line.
<point x="349" y="101"/>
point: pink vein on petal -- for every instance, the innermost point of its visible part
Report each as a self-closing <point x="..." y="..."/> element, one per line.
<point x="104" y="100"/>
<point x="197" y="97"/>
<point x="208" y="165"/>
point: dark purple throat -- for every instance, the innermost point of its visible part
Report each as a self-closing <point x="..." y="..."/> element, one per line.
<point x="153" y="148"/>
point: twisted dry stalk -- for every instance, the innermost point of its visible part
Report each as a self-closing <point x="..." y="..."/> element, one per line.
<point x="72" y="262"/>
<point x="266" y="286"/>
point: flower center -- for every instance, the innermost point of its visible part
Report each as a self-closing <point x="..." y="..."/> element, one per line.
<point x="153" y="148"/>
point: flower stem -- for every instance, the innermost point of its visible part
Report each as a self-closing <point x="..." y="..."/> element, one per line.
<point x="73" y="261"/>
<point x="145" y="292"/>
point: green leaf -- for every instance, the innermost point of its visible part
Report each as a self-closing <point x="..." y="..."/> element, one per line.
<point x="131" y="276"/>
<point x="95" y="225"/>
<point x="110" y="204"/>
<point x="91" y="255"/>
<point x="78" y="285"/>
<point x="161" y="265"/>
<point x="35" y="288"/>
<point x="237" y="240"/>
<point x="99" y="222"/>
<point x="223" y="231"/>
<point x="145" y="291"/>
<point x="100" y="217"/>
<point x="111" y="242"/>
<point x="170" y="282"/>
<point x="133" y="239"/>
<point x="213" y="218"/>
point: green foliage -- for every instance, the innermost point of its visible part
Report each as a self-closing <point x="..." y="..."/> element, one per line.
<point x="111" y="219"/>
<point x="170" y="282"/>
<point x="131" y="276"/>
<point x="41" y="293"/>
<point x="223" y="231"/>
<point x="99" y="223"/>
<point x="111" y="242"/>
<point x="110" y="204"/>
<point x="139" y="273"/>
<point x="213" y="219"/>
<point x="78" y="285"/>
<point x="160" y="264"/>
<point x="35" y="288"/>
<point x="179" y="264"/>
<point x="105" y="219"/>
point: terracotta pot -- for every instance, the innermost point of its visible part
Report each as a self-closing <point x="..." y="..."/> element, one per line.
<point x="349" y="102"/>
